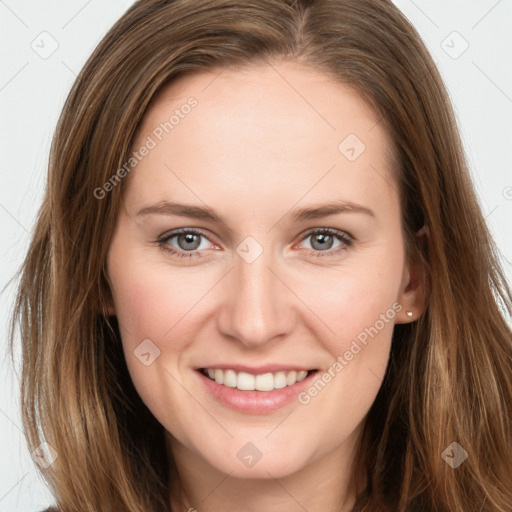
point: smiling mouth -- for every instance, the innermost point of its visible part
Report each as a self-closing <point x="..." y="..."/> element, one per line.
<point x="249" y="382"/>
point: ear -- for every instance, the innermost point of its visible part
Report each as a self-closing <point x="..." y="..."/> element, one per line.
<point x="412" y="295"/>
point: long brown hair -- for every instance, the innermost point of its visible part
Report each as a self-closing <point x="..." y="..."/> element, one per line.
<point x="450" y="373"/>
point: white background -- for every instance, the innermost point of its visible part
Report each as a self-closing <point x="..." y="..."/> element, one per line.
<point x="33" y="89"/>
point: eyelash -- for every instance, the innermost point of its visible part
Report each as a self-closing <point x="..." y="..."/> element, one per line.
<point x="346" y="240"/>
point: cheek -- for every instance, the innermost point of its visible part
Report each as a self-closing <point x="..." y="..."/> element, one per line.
<point x="145" y="307"/>
<point x="151" y="298"/>
<point x="356" y="298"/>
<point x="359" y="306"/>
<point x="156" y="304"/>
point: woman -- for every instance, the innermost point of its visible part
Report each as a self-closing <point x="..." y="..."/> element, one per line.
<point x="249" y="371"/>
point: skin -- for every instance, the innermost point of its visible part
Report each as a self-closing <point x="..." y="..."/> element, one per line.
<point x="262" y="142"/>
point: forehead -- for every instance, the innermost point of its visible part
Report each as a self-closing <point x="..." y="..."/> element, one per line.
<point x="281" y="92"/>
<point x="266" y="127"/>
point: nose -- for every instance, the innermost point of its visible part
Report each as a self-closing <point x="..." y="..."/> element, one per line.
<point x="258" y="306"/>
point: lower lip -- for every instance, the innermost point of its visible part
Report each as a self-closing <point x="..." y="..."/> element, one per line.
<point x="255" y="402"/>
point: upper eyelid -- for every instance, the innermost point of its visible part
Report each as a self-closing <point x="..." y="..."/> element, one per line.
<point x="180" y="231"/>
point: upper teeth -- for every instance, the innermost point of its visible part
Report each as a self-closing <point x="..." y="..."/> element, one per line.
<point x="248" y="382"/>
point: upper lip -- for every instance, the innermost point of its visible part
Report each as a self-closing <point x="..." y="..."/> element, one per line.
<point x="258" y="370"/>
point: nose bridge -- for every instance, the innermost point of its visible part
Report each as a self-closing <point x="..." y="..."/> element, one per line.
<point x="257" y="307"/>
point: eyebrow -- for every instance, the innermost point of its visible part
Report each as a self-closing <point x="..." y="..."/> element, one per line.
<point x="299" y="215"/>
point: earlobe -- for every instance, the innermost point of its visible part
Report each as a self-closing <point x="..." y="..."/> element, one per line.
<point x="424" y="231"/>
<point x="413" y="292"/>
<point x="107" y="308"/>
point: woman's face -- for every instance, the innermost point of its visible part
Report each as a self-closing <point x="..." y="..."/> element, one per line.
<point x="254" y="169"/>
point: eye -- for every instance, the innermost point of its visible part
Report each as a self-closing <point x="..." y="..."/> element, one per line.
<point x="188" y="242"/>
<point x="322" y="240"/>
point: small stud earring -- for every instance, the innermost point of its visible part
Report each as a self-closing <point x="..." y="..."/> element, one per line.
<point x="409" y="314"/>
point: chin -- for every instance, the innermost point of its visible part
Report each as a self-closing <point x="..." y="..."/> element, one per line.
<point x="248" y="461"/>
